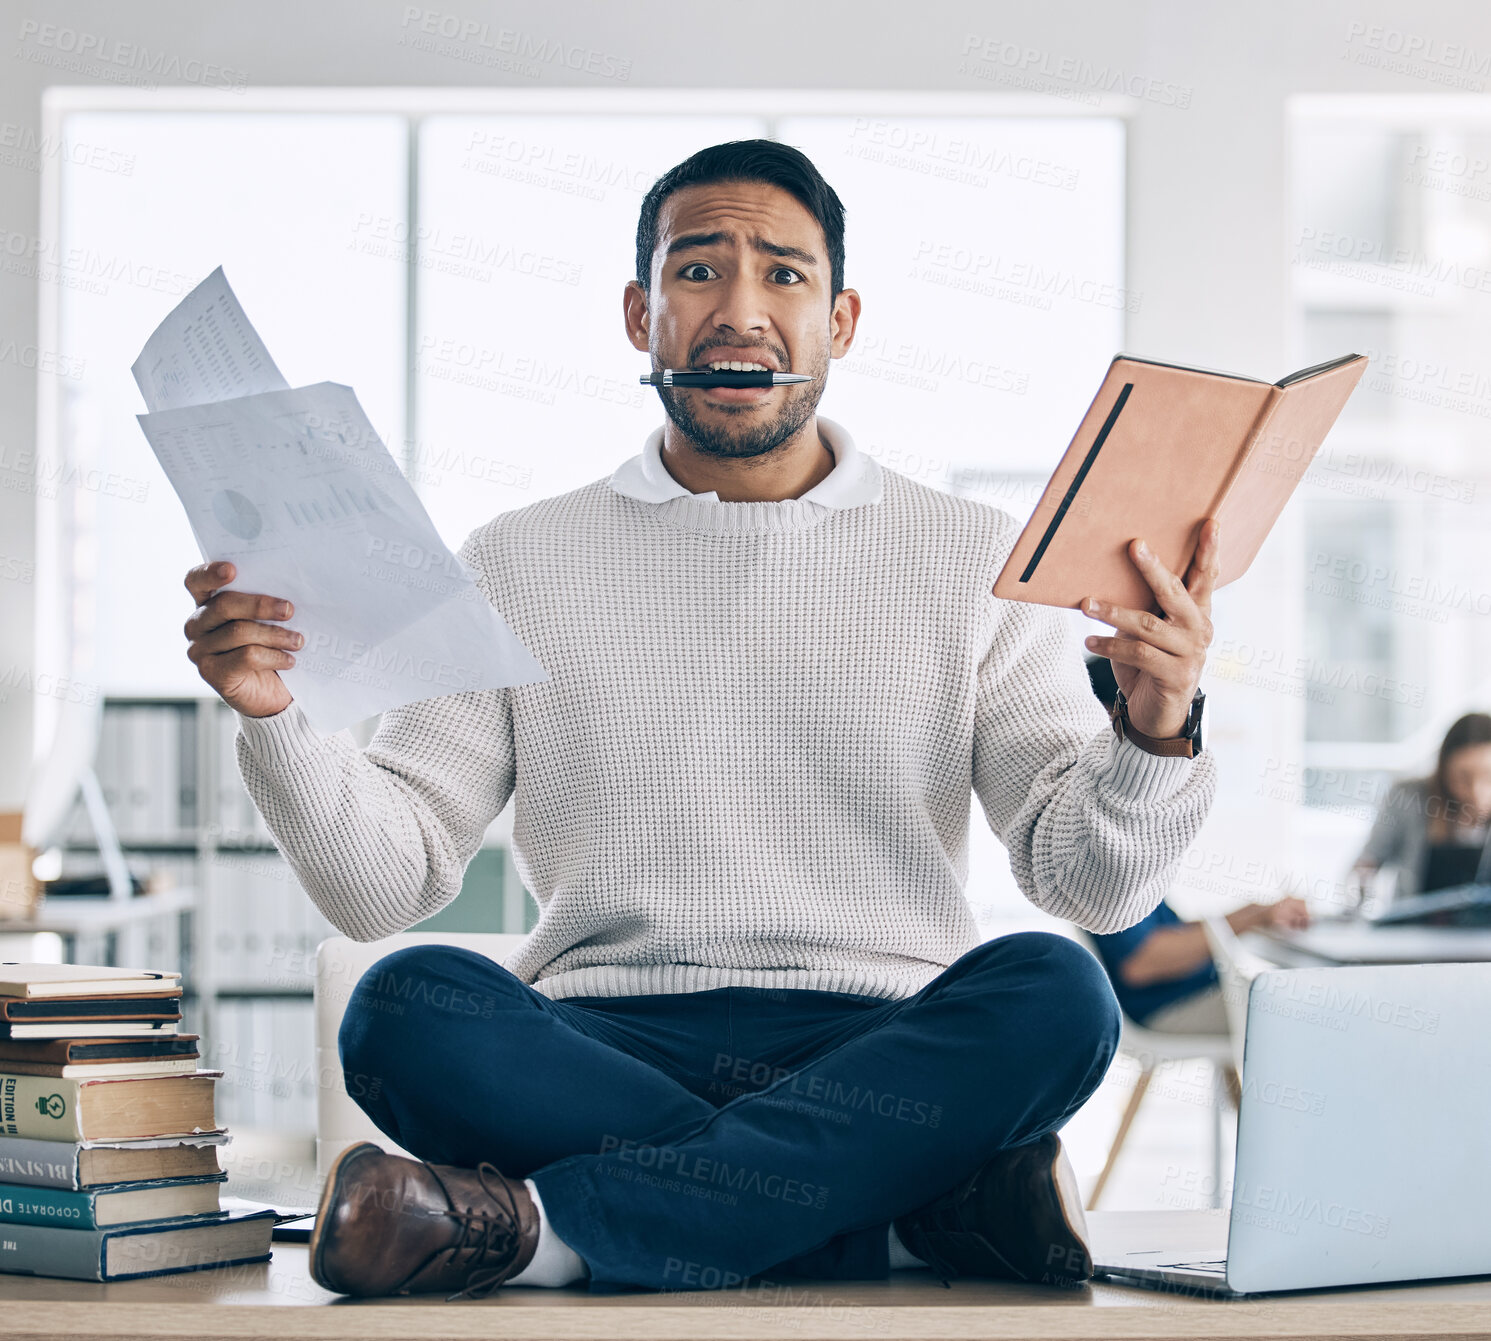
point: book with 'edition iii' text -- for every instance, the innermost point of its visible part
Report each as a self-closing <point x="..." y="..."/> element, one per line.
<point x="52" y="1108"/>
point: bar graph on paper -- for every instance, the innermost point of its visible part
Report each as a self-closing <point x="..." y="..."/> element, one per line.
<point x="334" y="503"/>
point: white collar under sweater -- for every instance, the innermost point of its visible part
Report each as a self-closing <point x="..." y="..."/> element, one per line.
<point x="854" y="480"/>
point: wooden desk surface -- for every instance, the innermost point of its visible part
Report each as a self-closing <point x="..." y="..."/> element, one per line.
<point x="277" y="1299"/>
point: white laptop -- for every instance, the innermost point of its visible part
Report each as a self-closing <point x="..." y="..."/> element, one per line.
<point x="1363" y="1141"/>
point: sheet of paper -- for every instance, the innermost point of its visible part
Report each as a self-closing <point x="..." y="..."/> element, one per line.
<point x="205" y="351"/>
<point x="295" y="488"/>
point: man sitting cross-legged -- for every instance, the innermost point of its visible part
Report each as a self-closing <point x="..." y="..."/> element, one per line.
<point x="753" y="1033"/>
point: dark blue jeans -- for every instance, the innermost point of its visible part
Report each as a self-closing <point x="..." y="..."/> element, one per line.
<point x="701" y="1139"/>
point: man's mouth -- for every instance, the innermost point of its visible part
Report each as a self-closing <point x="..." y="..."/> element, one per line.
<point x="737" y="395"/>
<point x="738" y="360"/>
<point x="734" y="365"/>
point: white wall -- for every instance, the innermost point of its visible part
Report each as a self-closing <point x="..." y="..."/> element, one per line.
<point x="1207" y="184"/>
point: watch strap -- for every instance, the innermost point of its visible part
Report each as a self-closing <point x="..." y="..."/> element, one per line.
<point x="1182" y="747"/>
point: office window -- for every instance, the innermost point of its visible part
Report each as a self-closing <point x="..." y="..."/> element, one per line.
<point x="1390" y="240"/>
<point x="989" y="256"/>
<point x="278" y="200"/>
<point x="992" y="290"/>
<point x="463" y="269"/>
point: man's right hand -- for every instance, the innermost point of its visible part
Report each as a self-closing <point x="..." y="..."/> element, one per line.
<point x="237" y="653"/>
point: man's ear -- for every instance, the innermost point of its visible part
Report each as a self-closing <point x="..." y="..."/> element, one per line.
<point x="843" y="321"/>
<point x="636" y="315"/>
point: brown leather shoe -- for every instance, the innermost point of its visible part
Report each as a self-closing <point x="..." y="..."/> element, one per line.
<point x="390" y="1225"/>
<point x="1018" y="1218"/>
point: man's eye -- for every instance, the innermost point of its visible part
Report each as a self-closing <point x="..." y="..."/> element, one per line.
<point x="686" y="272"/>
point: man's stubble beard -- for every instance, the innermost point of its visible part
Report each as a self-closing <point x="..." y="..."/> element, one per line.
<point x="730" y="441"/>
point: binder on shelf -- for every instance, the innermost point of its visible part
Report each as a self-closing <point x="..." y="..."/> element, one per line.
<point x="259" y="1052"/>
<point x="226" y="921"/>
<point x="109" y="766"/>
<point x="136" y="778"/>
<point x="165" y="780"/>
<point x="187" y="817"/>
<point x="145" y="770"/>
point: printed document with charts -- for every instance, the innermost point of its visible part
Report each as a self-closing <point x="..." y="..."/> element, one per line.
<point x="297" y="491"/>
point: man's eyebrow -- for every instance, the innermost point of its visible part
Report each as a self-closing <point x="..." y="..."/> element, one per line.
<point x="687" y="241"/>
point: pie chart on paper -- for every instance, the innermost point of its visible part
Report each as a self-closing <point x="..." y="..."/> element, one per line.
<point x="238" y="516"/>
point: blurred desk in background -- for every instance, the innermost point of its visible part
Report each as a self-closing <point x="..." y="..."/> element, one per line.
<point x="1361" y="943"/>
<point x="74" y="916"/>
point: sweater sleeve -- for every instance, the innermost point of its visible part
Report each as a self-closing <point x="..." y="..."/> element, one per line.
<point x="380" y="838"/>
<point x="1095" y="826"/>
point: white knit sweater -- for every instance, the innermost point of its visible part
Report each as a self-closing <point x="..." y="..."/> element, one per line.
<point x="753" y="763"/>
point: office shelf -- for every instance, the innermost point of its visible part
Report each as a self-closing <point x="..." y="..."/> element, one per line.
<point x="170" y="780"/>
<point x="247" y="931"/>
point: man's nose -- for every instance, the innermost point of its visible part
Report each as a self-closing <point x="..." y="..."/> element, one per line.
<point x="742" y="306"/>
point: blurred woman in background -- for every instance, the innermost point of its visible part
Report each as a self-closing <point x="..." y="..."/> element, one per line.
<point x="1435" y="831"/>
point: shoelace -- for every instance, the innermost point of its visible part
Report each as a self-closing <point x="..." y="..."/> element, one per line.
<point x="921" y="1246"/>
<point x="482" y="1234"/>
<point x="949" y="1216"/>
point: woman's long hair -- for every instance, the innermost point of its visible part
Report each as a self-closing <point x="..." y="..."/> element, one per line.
<point x="1444" y="809"/>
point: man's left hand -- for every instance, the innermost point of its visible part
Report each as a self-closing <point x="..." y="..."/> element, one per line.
<point x="1157" y="661"/>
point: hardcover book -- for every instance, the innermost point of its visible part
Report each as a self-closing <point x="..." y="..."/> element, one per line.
<point x="1161" y="448"/>
<point x="135" y="1250"/>
<point x="75" y="1165"/>
<point x="54" y="1109"/>
<point x="162" y="1066"/>
<point x="42" y="980"/>
<point x="90" y="1009"/>
<point x="104" y="1207"/>
<point x="64" y="1029"/>
<point x="72" y="1051"/>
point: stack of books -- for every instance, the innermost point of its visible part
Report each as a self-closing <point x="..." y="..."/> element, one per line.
<point x="108" y="1133"/>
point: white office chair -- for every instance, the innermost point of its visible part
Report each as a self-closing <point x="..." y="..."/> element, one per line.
<point x="1237" y="966"/>
<point x="1151" y="1049"/>
<point x="340" y="962"/>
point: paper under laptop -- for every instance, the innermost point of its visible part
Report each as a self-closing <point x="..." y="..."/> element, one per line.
<point x="295" y="488"/>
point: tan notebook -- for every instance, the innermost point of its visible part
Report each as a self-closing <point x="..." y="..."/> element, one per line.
<point x="1161" y="448"/>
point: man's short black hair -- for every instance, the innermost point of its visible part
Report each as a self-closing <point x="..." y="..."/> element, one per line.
<point x="749" y="161"/>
